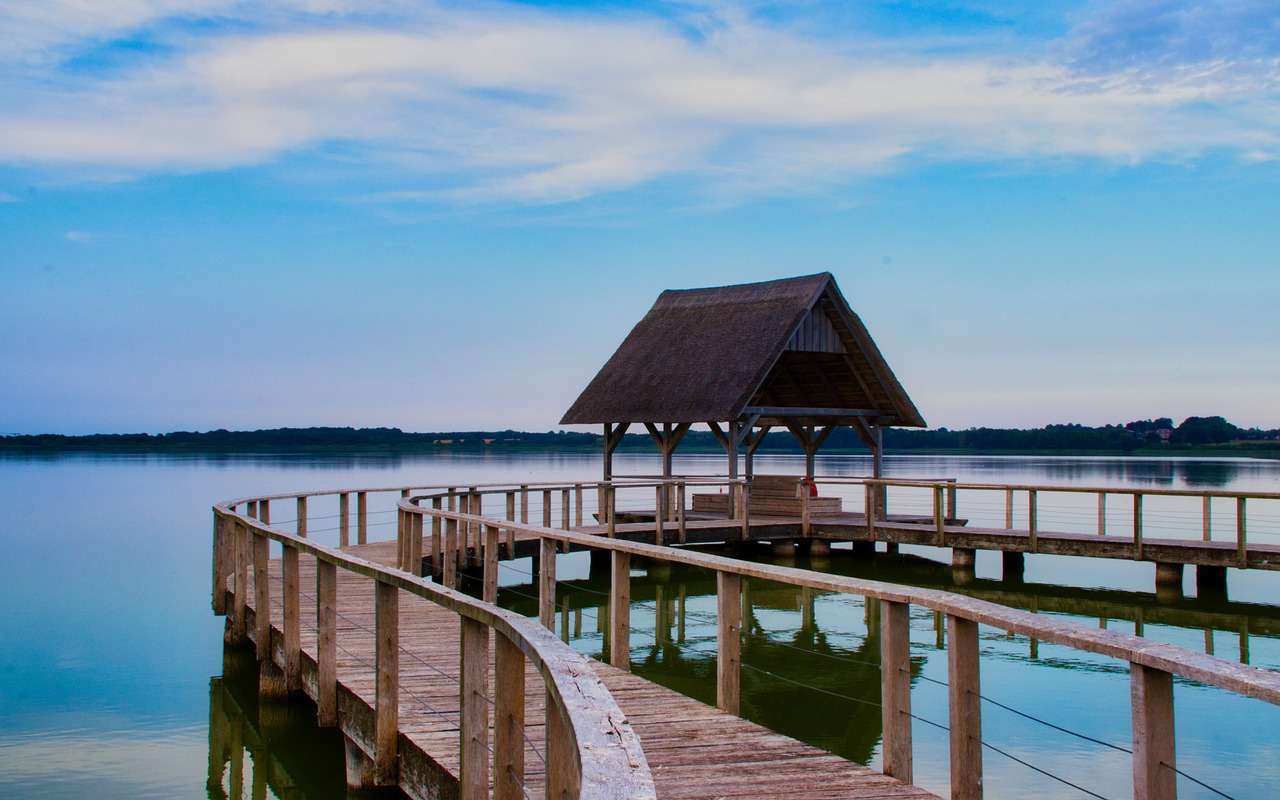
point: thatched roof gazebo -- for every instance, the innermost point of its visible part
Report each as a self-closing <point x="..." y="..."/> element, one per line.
<point x="786" y="353"/>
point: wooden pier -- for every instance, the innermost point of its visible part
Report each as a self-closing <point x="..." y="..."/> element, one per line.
<point x="403" y="666"/>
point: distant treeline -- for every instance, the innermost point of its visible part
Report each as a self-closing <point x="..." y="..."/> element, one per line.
<point x="1151" y="435"/>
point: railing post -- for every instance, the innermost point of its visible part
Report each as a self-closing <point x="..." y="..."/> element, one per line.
<point x="415" y="546"/>
<point x="344" y="519"/>
<point x="511" y="532"/>
<point x="895" y="689"/>
<point x="437" y="568"/>
<point x="1008" y="509"/>
<point x="1151" y="697"/>
<point x="546" y="508"/>
<point x="1206" y="504"/>
<point x="524" y="503"/>
<point x="806" y="524"/>
<point x="939" y="521"/>
<point x="302" y="516"/>
<point x="401" y="558"/>
<point x="658" y="514"/>
<point x="620" y="610"/>
<point x="1033" y="518"/>
<point x="264" y="511"/>
<point x="474" y="711"/>
<point x="450" y="571"/>
<point x="965" y="709"/>
<point x="1102" y="513"/>
<point x="490" y="594"/>
<point x="577" y="497"/>
<point x="508" y="720"/>
<point x="362" y="517"/>
<point x="680" y="522"/>
<point x="241" y="548"/>
<point x="728" y="641"/>
<point x="261" y="596"/>
<point x="611" y="499"/>
<point x="564" y="775"/>
<point x="746" y="510"/>
<point x="547" y="583"/>
<point x="251" y="509"/>
<point x="565" y="502"/>
<point x="1242" y="552"/>
<point x="953" y="501"/>
<point x="221" y="563"/>
<point x="477" y="509"/>
<point x="292" y="622"/>
<point x="869" y="509"/>
<point x="1137" y="526"/>
<point x="327" y="643"/>
<point x="387" y="671"/>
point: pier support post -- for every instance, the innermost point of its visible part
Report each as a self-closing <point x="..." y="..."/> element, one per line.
<point x="326" y="644"/>
<point x="359" y="767"/>
<point x="895" y="689"/>
<point x="819" y="547"/>
<point x="728" y="641"/>
<point x="1013" y="566"/>
<point x="547" y="583"/>
<point x="292" y="622"/>
<point x="271" y="683"/>
<point x="474" y="711"/>
<point x="387" y="688"/>
<point x="965" y="709"/>
<point x="1151" y="696"/>
<point x="962" y="563"/>
<point x="783" y="548"/>
<point x="1168" y="581"/>
<point x="1211" y="582"/>
<point x="508" y="720"/>
<point x="620" y="611"/>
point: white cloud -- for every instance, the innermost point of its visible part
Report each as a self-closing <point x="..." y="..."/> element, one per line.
<point x="5" y="197"/>
<point x="80" y="237"/>
<point x="502" y="103"/>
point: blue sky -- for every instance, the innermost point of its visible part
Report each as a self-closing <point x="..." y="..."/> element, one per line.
<point x="442" y="216"/>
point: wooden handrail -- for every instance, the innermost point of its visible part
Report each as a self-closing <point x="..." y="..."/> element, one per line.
<point x="596" y="755"/>
<point x="1152" y="664"/>
<point x="1242" y="679"/>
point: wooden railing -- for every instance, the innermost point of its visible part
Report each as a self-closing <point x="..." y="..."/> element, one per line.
<point x="1033" y="493"/>
<point x="1152" y="665"/>
<point x="591" y="751"/>
<point x="449" y="543"/>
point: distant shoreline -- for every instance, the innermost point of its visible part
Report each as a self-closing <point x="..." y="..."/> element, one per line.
<point x="354" y="441"/>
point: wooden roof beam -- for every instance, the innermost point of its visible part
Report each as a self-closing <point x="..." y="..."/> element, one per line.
<point x="795" y="411"/>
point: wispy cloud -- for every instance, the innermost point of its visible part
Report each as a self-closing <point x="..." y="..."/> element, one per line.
<point x="79" y="237"/>
<point x="507" y="103"/>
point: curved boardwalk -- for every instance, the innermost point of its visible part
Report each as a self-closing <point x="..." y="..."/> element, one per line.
<point x="693" y="750"/>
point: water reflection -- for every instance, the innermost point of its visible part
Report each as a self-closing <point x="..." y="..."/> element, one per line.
<point x="260" y="749"/>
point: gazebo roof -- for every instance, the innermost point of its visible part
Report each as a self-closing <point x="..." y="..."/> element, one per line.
<point x="781" y="352"/>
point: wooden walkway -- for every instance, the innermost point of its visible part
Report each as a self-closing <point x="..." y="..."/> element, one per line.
<point x="693" y="750"/>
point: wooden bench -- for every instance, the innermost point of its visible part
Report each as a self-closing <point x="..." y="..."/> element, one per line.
<point x="771" y="495"/>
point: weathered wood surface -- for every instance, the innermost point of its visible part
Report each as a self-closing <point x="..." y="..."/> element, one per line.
<point x="693" y="750"/>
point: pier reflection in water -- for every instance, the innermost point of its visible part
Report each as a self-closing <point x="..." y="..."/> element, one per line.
<point x="268" y="748"/>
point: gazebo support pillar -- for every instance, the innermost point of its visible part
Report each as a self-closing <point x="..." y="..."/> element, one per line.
<point x="612" y="438"/>
<point x="667" y="439"/>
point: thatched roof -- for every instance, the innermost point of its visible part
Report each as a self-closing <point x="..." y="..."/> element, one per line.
<point x="788" y="350"/>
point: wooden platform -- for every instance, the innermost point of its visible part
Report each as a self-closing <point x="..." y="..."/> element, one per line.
<point x="693" y="750"/>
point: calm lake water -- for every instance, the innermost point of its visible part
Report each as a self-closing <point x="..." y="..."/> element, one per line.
<point x="112" y="668"/>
